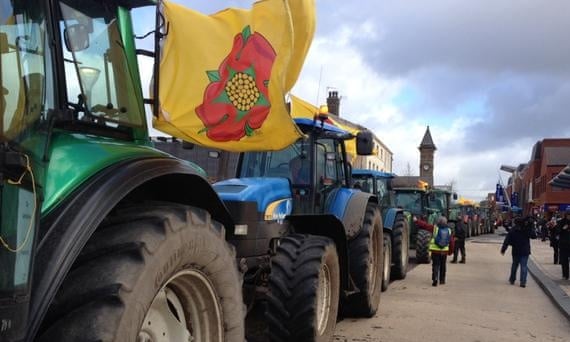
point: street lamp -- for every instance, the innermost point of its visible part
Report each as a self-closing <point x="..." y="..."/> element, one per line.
<point x="512" y="170"/>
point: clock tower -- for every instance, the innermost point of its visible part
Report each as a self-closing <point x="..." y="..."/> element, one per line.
<point x="427" y="149"/>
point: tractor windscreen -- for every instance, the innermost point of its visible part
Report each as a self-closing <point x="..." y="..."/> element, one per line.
<point x="438" y="201"/>
<point x="410" y="201"/>
<point x="101" y="87"/>
<point x="375" y="185"/>
<point x="291" y="162"/>
<point x="24" y="67"/>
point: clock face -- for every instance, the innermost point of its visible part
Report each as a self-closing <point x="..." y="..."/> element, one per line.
<point x="426" y="167"/>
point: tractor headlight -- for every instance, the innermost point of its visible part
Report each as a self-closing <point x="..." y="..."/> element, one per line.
<point x="276" y="211"/>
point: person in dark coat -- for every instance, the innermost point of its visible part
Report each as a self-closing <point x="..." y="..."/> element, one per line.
<point x="542" y="228"/>
<point x="563" y="232"/>
<point x="551" y="226"/>
<point x="519" y="239"/>
<point x="460" y="234"/>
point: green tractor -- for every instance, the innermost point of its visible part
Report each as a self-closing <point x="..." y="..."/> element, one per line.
<point x="396" y="220"/>
<point x="423" y="203"/>
<point x="102" y="236"/>
<point x="470" y="215"/>
<point x="415" y="201"/>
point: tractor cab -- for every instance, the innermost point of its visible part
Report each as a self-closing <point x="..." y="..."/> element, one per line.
<point x="309" y="171"/>
<point x="413" y="200"/>
<point x="440" y="200"/>
<point x="376" y="182"/>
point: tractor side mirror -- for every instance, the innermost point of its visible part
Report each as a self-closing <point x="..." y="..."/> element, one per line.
<point x="76" y="37"/>
<point x="364" y="143"/>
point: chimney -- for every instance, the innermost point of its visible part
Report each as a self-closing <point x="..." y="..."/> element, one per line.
<point x="333" y="102"/>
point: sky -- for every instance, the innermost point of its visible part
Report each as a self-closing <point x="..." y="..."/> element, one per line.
<point x="489" y="77"/>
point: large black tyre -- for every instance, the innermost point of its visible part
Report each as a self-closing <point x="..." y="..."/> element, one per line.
<point x="422" y="246"/>
<point x="304" y="287"/>
<point x="366" y="258"/>
<point x="400" y="248"/>
<point x="387" y="268"/>
<point x="147" y="264"/>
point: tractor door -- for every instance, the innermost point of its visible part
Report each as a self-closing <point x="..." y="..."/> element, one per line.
<point x="329" y="172"/>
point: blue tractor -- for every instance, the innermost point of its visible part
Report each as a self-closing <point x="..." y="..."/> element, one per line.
<point x="396" y="229"/>
<point x="309" y="245"/>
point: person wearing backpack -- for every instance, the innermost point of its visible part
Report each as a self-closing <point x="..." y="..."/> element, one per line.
<point x="459" y="241"/>
<point x="519" y="239"/>
<point x="441" y="245"/>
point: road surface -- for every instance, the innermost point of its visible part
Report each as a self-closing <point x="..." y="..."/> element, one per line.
<point x="477" y="304"/>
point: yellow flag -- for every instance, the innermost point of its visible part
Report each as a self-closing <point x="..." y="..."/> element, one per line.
<point x="303" y="109"/>
<point x="349" y="144"/>
<point x="223" y="77"/>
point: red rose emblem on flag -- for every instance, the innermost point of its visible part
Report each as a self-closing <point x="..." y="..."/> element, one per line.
<point x="236" y="102"/>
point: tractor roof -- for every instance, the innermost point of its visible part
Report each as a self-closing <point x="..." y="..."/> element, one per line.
<point x="307" y="125"/>
<point x="379" y="174"/>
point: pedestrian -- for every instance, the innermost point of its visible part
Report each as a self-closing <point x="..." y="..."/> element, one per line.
<point x="460" y="235"/>
<point x="440" y="245"/>
<point x="519" y="239"/>
<point x="542" y="227"/>
<point x="563" y="232"/>
<point x="553" y="236"/>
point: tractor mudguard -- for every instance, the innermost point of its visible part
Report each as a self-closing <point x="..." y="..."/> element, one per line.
<point x="350" y="206"/>
<point x="325" y="225"/>
<point x="390" y="217"/>
<point x="66" y="229"/>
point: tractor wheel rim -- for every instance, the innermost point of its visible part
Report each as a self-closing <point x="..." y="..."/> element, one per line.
<point x="405" y="250"/>
<point x="373" y="259"/>
<point x="323" y="299"/>
<point x="186" y="309"/>
<point x="387" y="255"/>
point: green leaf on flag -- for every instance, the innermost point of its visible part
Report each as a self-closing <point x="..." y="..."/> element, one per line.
<point x="213" y="75"/>
<point x="246" y="33"/>
<point x="248" y="130"/>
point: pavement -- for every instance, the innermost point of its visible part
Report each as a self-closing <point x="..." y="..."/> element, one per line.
<point x="549" y="275"/>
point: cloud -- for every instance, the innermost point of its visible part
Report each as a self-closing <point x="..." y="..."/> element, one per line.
<point x="490" y="78"/>
<point x="523" y="36"/>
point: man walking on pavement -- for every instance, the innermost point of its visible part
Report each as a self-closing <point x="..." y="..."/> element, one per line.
<point x="519" y="239"/>
<point x="551" y="225"/>
<point x="459" y="241"/>
<point x="563" y="231"/>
